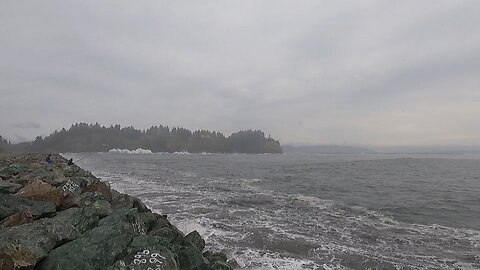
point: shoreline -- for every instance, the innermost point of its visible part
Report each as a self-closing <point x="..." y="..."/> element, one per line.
<point x="55" y="216"/>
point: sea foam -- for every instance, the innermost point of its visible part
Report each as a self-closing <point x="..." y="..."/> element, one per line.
<point x="126" y="151"/>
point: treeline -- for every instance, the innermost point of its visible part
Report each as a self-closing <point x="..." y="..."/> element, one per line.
<point x="84" y="137"/>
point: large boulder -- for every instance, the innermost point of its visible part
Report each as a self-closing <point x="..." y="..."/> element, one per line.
<point x="74" y="185"/>
<point x="37" y="239"/>
<point x="189" y="258"/>
<point x="147" y="251"/>
<point x="99" y="247"/>
<point x="17" y="219"/>
<point x="10" y="204"/>
<point x="197" y="240"/>
<point x="121" y="200"/>
<point x="69" y="201"/>
<point x="218" y="261"/>
<point x="98" y="201"/>
<point x="41" y="191"/>
<point x="9" y="187"/>
<point x="101" y="187"/>
<point x="164" y="229"/>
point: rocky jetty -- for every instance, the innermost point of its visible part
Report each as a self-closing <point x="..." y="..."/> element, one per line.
<point x="55" y="216"/>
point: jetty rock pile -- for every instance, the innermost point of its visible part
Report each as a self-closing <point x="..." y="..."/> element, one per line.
<point x="55" y="216"/>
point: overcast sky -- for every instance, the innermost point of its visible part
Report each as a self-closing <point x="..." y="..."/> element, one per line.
<point x="307" y="72"/>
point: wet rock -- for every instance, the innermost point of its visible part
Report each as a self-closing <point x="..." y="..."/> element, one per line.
<point x="137" y="203"/>
<point x="10" y="204"/>
<point x="215" y="256"/>
<point x="167" y="231"/>
<point x="149" y="219"/>
<point x="218" y="265"/>
<point x="197" y="241"/>
<point x="17" y="219"/>
<point x="233" y="263"/>
<point x="218" y="261"/>
<point x="190" y="258"/>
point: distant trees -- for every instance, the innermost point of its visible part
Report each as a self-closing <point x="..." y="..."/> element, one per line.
<point x="82" y="137"/>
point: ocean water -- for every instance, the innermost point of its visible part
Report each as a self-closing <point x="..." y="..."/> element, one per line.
<point x="296" y="211"/>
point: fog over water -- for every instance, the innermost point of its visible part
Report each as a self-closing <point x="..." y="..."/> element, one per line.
<point x="315" y="72"/>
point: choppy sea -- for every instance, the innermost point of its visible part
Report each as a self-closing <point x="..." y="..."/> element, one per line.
<point x="298" y="211"/>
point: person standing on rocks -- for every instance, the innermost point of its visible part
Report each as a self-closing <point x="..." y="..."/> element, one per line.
<point x="48" y="159"/>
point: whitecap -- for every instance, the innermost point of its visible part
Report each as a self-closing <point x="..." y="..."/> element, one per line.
<point x="126" y="151"/>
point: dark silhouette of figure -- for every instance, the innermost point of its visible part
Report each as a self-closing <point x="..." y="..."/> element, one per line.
<point x="70" y="162"/>
<point x="48" y="159"/>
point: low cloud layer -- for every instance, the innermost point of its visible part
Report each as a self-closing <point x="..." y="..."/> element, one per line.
<point x="311" y="72"/>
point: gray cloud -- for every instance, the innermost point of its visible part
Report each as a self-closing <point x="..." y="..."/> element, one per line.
<point x="26" y="125"/>
<point x="360" y="72"/>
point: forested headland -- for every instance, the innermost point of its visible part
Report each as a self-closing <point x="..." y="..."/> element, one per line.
<point x="83" y="137"/>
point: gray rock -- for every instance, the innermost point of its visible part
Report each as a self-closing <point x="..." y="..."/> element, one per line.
<point x="99" y="247"/>
<point x="197" y="240"/>
<point x="190" y="258"/>
<point x="218" y="265"/>
<point x="69" y="201"/>
<point x="8" y="187"/>
<point x="120" y="200"/>
<point x="119" y="265"/>
<point x="218" y="261"/>
<point x="233" y="263"/>
<point x="74" y="185"/>
<point x="12" y="204"/>
<point x="215" y="256"/>
<point x="150" y="219"/>
<point x="147" y="251"/>
<point x="169" y="232"/>
<point x="102" y="208"/>
<point x="36" y="239"/>
<point x="98" y="201"/>
<point x="89" y="197"/>
<point x="12" y="170"/>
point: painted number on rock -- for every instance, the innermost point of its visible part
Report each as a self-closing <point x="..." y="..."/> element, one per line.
<point x="70" y="186"/>
<point x="138" y="227"/>
<point x="153" y="260"/>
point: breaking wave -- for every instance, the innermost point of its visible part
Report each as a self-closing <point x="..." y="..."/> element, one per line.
<point x="126" y="151"/>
